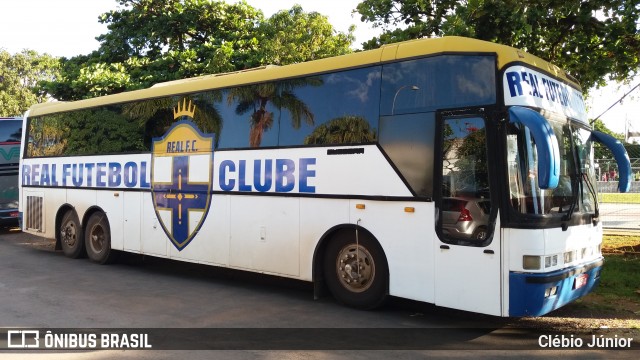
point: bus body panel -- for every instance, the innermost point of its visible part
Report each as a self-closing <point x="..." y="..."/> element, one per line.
<point x="406" y="243"/>
<point x="340" y="170"/>
<point x="154" y="240"/>
<point x="469" y="277"/>
<point x="112" y="204"/>
<point x="570" y="264"/>
<point x="580" y="244"/>
<point x="317" y="217"/>
<point x="265" y="233"/>
<point x="534" y="294"/>
<point x="212" y="243"/>
<point x="132" y="226"/>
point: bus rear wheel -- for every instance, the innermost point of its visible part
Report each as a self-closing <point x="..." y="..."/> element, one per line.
<point x="98" y="239"/>
<point x="356" y="271"/>
<point x="71" y="239"/>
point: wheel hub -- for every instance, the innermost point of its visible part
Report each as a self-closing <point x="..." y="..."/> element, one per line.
<point x="69" y="234"/>
<point x="355" y="268"/>
<point x="97" y="238"/>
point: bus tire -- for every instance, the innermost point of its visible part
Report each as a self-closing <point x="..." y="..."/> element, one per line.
<point x="71" y="239"/>
<point x="356" y="275"/>
<point x="98" y="239"/>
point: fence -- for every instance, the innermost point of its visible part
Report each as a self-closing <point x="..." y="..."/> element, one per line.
<point x="619" y="211"/>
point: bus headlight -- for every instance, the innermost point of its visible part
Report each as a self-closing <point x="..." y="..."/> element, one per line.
<point x="550" y="261"/>
<point x="568" y="257"/>
<point x="530" y="262"/>
<point x="551" y="291"/>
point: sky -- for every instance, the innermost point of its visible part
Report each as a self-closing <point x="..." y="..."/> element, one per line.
<point x="69" y="27"/>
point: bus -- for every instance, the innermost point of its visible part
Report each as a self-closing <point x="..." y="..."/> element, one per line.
<point x="450" y="171"/>
<point x="10" y="135"/>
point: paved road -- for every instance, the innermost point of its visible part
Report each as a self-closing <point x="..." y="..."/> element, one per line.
<point x="41" y="288"/>
<point x="620" y="216"/>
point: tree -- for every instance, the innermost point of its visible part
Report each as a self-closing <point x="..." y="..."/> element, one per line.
<point x="416" y="18"/>
<point x="342" y="130"/>
<point x="255" y="98"/>
<point x="20" y="77"/>
<point x="600" y="151"/>
<point x="293" y="36"/>
<point x="589" y="39"/>
<point x="151" y="41"/>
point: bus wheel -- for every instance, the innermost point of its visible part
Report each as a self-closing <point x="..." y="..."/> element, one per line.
<point x="356" y="274"/>
<point x="71" y="238"/>
<point x="98" y="239"/>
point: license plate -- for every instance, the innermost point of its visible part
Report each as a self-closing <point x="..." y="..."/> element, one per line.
<point x="581" y="280"/>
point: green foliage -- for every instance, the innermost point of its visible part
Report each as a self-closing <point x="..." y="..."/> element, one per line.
<point x="342" y="130"/>
<point x="600" y="151"/>
<point x="20" y="77"/>
<point x="293" y="36"/>
<point x="589" y="39"/>
<point x="101" y="131"/>
<point x="415" y="18"/>
<point x="600" y="126"/>
<point x="152" y="41"/>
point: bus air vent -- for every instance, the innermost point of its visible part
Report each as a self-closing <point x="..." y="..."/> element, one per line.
<point x="33" y="214"/>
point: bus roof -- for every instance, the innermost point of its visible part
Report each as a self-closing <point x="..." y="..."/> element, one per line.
<point x="386" y="53"/>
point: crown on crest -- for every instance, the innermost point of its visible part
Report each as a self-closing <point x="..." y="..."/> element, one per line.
<point x="184" y="109"/>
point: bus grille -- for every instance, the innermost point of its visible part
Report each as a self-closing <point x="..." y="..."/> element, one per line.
<point x="34" y="213"/>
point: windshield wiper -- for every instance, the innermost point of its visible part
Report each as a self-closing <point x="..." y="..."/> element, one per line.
<point x="575" y="183"/>
<point x="594" y="194"/>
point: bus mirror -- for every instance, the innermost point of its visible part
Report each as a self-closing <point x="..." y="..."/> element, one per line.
<point x="621" y="156"/>
<point x="546" y="144"/>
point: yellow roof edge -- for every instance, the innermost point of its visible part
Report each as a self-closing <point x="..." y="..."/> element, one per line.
<point x="402" y="50"/>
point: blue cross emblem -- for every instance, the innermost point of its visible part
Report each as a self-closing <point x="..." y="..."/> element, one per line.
<point x="181" y="197"/>
<point x="181" y="193"/>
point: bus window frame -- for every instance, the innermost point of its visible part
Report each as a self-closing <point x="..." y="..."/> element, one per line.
<point x="493" y="169"/>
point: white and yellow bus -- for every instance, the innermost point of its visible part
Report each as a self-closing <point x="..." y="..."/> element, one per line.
<point x="451" y="171"/>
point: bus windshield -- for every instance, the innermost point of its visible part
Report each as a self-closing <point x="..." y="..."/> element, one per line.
<point x="574" y="193"/>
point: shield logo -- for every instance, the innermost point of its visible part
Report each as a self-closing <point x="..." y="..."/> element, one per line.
<point x="181" y="177"/>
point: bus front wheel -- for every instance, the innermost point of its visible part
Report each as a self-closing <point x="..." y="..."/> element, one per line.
<point x="98" y="239"/>
<point x="71" y="239"/>
<point x="356" y="271"/>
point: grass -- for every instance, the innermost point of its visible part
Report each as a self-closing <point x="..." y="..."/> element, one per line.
<point x="620" y="278"/>
<point x="627" y="198"/>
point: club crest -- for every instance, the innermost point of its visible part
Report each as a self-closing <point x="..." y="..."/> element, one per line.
<point x="181" y="177"/>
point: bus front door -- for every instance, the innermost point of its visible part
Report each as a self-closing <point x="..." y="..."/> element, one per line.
<point x="467" y="253"/>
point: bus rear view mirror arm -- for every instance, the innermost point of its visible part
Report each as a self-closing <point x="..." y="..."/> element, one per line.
<point x="621" y="156"/>
<point x="546" y="144"/>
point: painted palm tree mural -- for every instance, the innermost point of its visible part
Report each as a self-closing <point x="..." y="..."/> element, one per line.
<point x="342" y="130"/>
<point x="255" y="98"/>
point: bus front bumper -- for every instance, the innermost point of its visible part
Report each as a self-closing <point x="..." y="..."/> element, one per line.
<point x="533" y="294"/>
